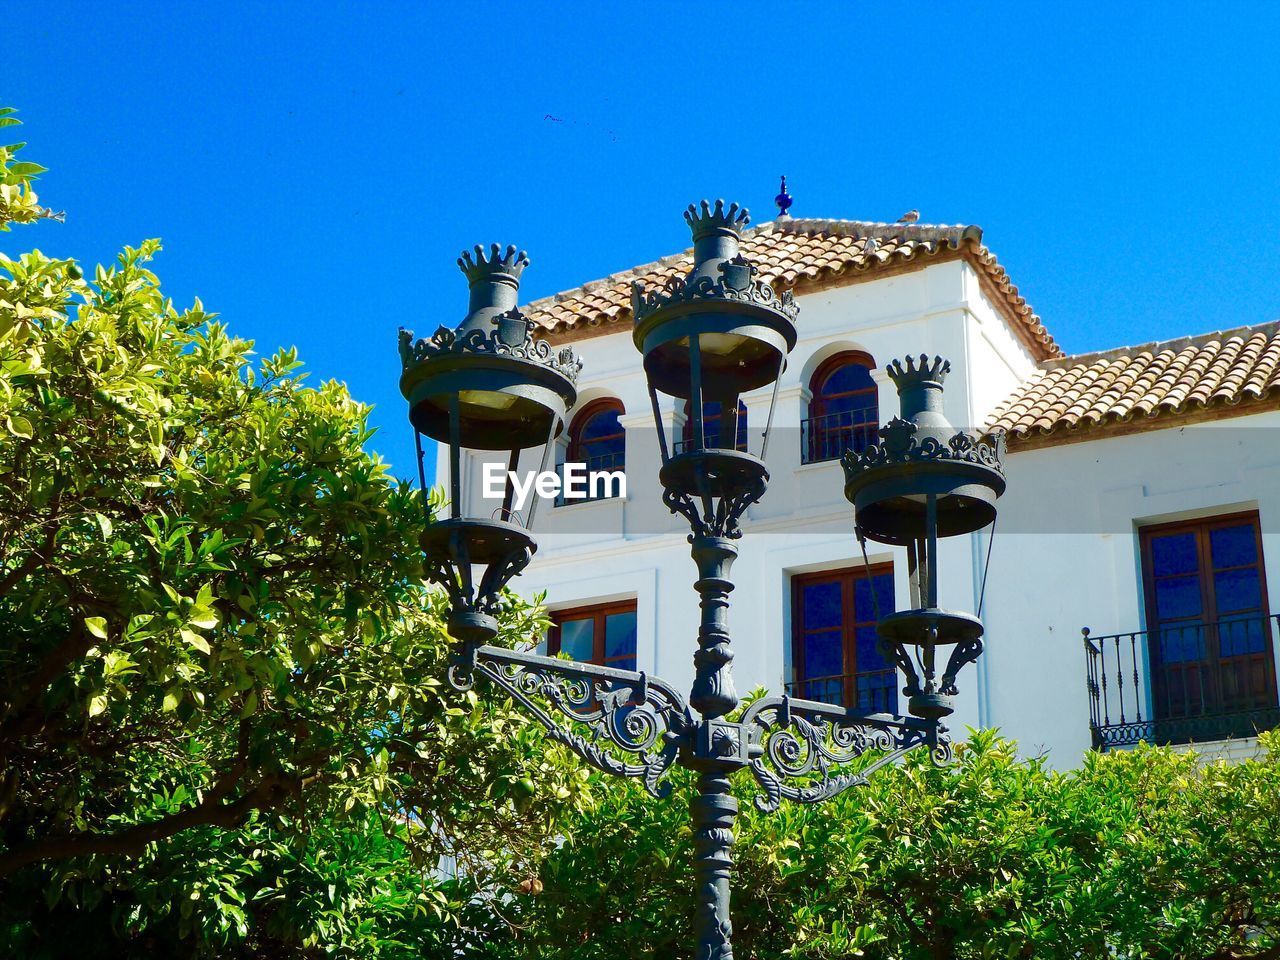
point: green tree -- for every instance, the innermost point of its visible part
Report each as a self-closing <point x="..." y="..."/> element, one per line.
<point x="215" y="645"/>
<point x="1139" y="854"/>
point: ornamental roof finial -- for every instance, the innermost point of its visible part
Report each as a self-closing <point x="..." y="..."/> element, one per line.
<point x="783" y="200"/>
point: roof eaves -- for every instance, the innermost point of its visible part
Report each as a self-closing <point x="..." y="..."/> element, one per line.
<point x="1176" y="345"/>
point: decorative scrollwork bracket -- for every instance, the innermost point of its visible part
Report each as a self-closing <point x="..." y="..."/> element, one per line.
<point x="802" y="749"/>
<point x="622" y="721"/>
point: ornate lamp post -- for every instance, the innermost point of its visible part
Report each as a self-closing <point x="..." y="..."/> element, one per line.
<point x="707" y="337"/>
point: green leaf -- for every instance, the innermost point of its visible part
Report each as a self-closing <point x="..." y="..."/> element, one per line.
<point x="117" y="664"/>
<point x="96" y="626"/>
<point x="97" y="704"/>
<point x="27" y="169"/>
<point x="195" y="640"/>
<point x="203" y="617"/>
<point x="20" y="426"/>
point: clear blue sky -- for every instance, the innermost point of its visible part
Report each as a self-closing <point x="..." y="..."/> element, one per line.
<point x="315" y="169"/>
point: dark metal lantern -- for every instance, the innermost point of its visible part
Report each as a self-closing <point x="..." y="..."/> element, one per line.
<point x="711" y="336"/>
<point x="488" y="384"/>
<point x="923" y="481"/>
<point x="511" y="391"/>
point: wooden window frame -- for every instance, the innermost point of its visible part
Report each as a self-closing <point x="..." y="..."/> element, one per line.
<point x="583" y="417"/>
<point x="819" y="400"/>
<point x="574" y="452"/>
<point x="1210" y="615"/>
<point x="848" y="623"/>
<point x="599" y="613"/>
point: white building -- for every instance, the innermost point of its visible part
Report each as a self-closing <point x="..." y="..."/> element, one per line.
<point x="1142" y="486"/>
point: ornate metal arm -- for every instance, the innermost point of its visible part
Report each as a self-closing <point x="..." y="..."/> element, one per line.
<point x="810" y="742"/>
<point x="635" y="725"/>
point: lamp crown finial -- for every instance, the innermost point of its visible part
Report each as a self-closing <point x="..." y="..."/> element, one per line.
<point x="913" y="373"/>
<point x="493" y="264"/>
<point x="706" y="219"/>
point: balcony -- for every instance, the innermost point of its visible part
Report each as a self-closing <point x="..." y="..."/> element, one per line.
<point x="874" y="691"/>
<point x="1183" y="683"/>
<point x="830" y="437"/>
<point x="596" y="490"/>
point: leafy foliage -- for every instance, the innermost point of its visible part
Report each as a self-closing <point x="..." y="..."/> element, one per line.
<point x="1148" y="853"/>
<point x="215" y="646"/>
<point x="18" y="202"/>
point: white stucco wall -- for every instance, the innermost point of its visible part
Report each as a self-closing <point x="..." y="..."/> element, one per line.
<point x="1065" y="555"/>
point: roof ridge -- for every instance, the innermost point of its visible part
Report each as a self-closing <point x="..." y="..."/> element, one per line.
<point x="1157" y="346"/>
<point x="855" y="229"/>
<point x="797" y="254"/>
<point x="880" y="230"/>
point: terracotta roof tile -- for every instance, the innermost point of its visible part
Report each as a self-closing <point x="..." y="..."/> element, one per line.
<point x="795" y="254"/>
<point x="1074" y="396"/>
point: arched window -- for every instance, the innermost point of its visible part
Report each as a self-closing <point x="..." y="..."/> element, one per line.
<point x="844" y="412"/>
<point x="711" y="427"/>
<point x="598" y="442"/>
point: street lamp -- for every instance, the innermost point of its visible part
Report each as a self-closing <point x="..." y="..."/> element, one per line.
<point x="925" y="480"/>
<point x="486" y="385"/>
<point x="710" y="336"/>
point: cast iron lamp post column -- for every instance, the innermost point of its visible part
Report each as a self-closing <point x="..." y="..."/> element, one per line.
<point x="709" y="336"/>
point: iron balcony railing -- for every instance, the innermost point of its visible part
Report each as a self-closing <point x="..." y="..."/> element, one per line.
<point x="596" y="490"/>
<point x="831" y="436"/>
<point x="1183" y="683"/>
<point x="710" y="442"/>
<point x="872" y="690"/>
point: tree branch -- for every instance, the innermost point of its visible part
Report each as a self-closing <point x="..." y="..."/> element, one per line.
<point x="132" y="841"/>
<point x="33" y="559"/>
<point x="914" y="931"/>
<point x="21" y="719"/>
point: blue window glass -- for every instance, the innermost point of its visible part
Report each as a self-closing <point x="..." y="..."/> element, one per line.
<point x="824" y="654"/>
<point x="1245" y="635"/>
<point x="1234" y="546"/>
<point x="713" y="426"/>
<point x="843" y="408"/>
<point x="878" y="691"/>
<point x="620" y="640"/>
<point x="868" y="650"/>
<point x="1174" y="553"/>
<point x="881" y="602"/>
<point x="577" y="639"/>
<point x="1182" y="643"/>
<point x="1237" y="590"/>
<point x="821" y="605"/>
<point x="844" y="388"/>
<point x="1178" y="597"/>
<point x="596" y="437"/>
<point x="1210" y="633"/>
